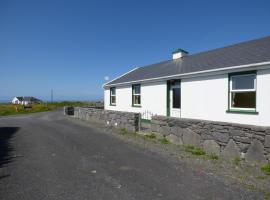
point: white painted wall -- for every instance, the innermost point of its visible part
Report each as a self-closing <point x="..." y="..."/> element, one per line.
<point x="207" y="98"/>
<point x="201" y="98"/>
<point x="153" y="98"/>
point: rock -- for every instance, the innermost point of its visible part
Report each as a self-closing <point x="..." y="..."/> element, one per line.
<point x="267" y="141"/>
<point x="268" y="158"/>
<point x="206" y="136"/>
<point x="174" y="139"/>
<point x="154" y="127"/>
<point x="191" y="138"/>
<point x="231" y="151"/>
<point x="176" y="131"/>
<point x="164" y="130"/>
<point x="245" y="140"/>
<point x="222" y="137"/>
<point x="237" y="133"/>
<point x="258" y="137"/>
<point x="255" y="153"/>
<point x="243" y="147"/>
<point x="211" y="147"/>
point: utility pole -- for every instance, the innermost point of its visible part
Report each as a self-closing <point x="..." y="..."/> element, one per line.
<point x="51" y="95"/>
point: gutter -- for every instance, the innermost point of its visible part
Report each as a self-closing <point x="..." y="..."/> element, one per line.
<point x="191" y="74"/>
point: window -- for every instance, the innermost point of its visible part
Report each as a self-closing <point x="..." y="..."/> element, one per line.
<point x="243" y="91"/>
<point x="176" y="97"/>
<point x="136" y="95"/>
<point x="112" y="96"/>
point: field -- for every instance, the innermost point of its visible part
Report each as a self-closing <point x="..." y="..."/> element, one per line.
<point x="10" y="109"/>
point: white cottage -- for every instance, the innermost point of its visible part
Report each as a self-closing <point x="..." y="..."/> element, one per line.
<point x="230" y="84"/>
<point x="25" y="100"/>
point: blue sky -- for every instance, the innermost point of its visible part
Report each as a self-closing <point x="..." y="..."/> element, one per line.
<point x="71" y="45"/>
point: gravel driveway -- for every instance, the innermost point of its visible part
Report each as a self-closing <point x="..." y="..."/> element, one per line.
<point x="47" y="156"/>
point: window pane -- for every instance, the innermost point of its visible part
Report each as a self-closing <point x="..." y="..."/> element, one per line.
<point x="137" y="99"/>
<point x="176" y="97"/>
<point x="243" y="99"/>
<point x="112" y="91"/>
<point x="113" y="99"/>
<point x="243" y="82"/>
<point x="137" y="89"/>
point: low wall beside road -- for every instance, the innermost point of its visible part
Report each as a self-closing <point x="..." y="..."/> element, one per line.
<point x="127" y="120"/>
<point x="228" y="140"/>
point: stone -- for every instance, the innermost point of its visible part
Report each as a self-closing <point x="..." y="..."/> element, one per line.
<point x="258" y="137"/>
<point x="164" y="130"/>
<point x="174" y="139"/>
<point x="206" y="136"/>
<point x="243" y="147"/>
<point x="245" y="140"/>
<point x="255" y="153"/>
<point x="222" y="137"/>
<point x="154" y="127"/>
<point x="191" y="138"/>
<point x="211" y="147"/>
<point x="231" y="151"/>
<point x="237" y="133"/>
<point x="176" y="131"/>
<point x="268" y="158"/>
<point x="267" y="141"/>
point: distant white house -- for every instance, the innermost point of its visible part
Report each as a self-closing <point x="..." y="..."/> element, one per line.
<point x="25" y="100"/>
<point x="229" y="84"/>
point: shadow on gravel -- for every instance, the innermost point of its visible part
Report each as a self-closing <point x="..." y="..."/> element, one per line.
<point x="6" y="134"/>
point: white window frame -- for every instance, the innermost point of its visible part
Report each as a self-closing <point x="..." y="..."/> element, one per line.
<point x="242" y="90"/>
<point x="112" y="95"/>
<point x="136" y="94"/>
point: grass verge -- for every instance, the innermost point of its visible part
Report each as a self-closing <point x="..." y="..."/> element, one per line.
<point x="164" y="141"/>
<point x="194" y="150"/>
<point x="10" y="109"/>
<point x="266" y="169"/>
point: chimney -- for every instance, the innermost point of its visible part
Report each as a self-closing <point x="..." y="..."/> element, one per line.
<point x="179" y="53"/>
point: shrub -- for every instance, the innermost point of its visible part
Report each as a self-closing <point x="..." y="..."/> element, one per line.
<point x="237" y="161"/>
<point x="194" y="150"/>
<point x="266" y="169"/>
<point x="164" y="141"/>
<point x="151" y="136"/>
<point x="213" y="157"/>
<point x="123" y="131"/>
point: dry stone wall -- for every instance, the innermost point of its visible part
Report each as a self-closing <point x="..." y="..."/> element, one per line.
<point x="127" y="120"/>
<point x="227" y="140"/>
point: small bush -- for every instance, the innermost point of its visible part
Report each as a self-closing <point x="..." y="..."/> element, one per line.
<point x="194" y="150"/>
<point x="151" y="136"/>
<point x="237" y="161"/>
<point x="164" y="141"/>
<point x="213" y="157"/>
<point x="266" y="169"/>
<point x="123" y="131"/>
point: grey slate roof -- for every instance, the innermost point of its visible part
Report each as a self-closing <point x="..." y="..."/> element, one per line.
<point x="32" y="99"/>
<point x="20" y="98"/>
<point x="250" y="52"/>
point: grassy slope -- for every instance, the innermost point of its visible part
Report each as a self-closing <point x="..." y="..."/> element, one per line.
<point x="9" y="109"/>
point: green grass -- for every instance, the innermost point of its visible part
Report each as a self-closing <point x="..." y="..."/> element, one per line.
<point x="237" y="161"/>
<point x="123" y="131"/>
<point x="266" y="169"/>
<point x="194" y="150"/>
<point x="10" y="109"/>
<point x="151" y="136"/>
<point x="164" y="141"/>
<point x="212" y="157"/>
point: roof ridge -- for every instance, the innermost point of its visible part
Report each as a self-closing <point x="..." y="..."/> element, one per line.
<point x="229" y="46"/>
